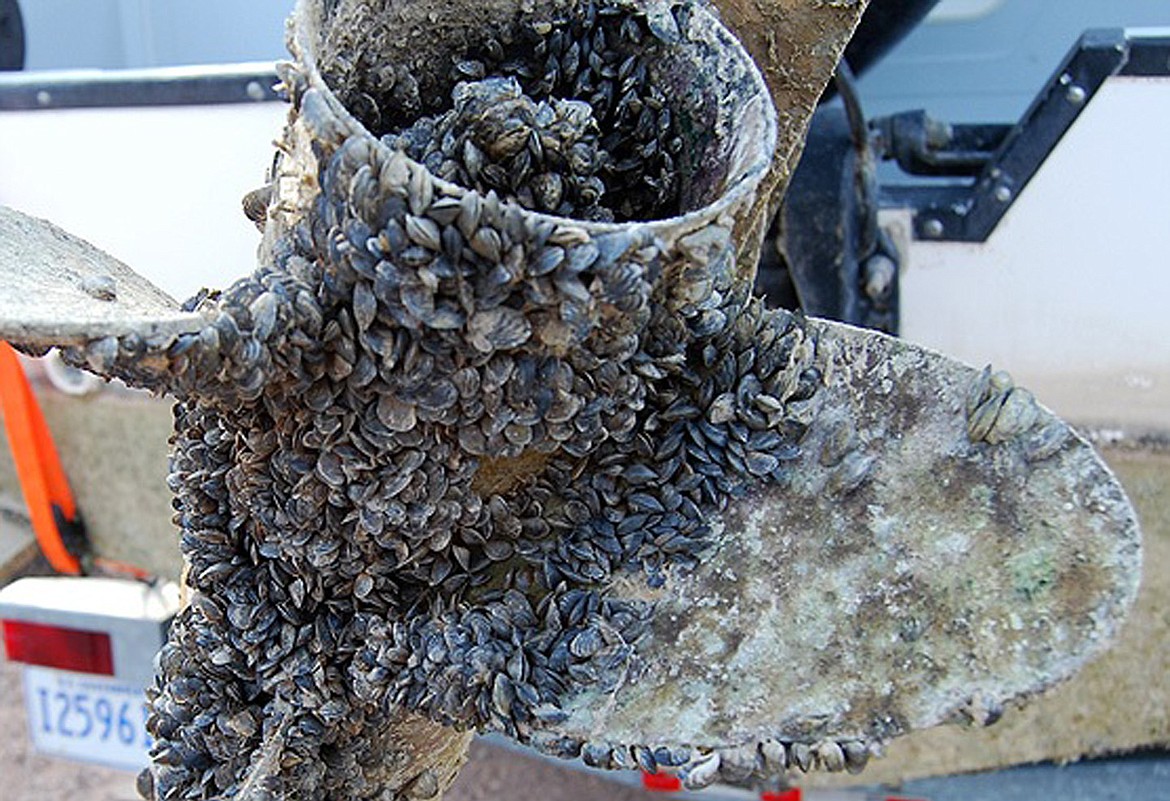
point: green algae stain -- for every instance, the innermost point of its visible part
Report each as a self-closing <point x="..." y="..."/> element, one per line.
<point x="1032" y="572"/>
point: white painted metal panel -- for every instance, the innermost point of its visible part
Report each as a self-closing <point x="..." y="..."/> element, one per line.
<point x="158" y="188"/>
<point x="1071" y="292"/>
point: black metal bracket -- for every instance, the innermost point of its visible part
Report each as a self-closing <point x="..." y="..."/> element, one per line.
<point x="923" y="145"/>
<point x="833" y="260"/>
<point x="1004" y="159"/>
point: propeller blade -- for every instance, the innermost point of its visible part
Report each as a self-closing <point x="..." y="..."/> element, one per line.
<point x="941" y="546"/>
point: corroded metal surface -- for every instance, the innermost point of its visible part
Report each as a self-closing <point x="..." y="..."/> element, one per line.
<point x="796" y="44"/>
<point x="901" y="576"/>
<point x="1118" y="703"/>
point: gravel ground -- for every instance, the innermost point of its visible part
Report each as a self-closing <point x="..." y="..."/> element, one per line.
<point x="491" y="773"/>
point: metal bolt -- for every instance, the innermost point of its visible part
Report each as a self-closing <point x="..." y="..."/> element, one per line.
<point x="1003" y="193"/>
<point x="932" y="228"/>
<point x="880" y="272"/>
<point x="44" y="98"/>
<point x="254" y="90"/>
<point x="1076" y="94"/>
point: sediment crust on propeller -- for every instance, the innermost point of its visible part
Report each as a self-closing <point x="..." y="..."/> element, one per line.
<point x="919" y="564"/>
<point x="59" y="289"/>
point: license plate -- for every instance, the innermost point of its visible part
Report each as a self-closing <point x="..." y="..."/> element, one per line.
<point x="86" y="717"/>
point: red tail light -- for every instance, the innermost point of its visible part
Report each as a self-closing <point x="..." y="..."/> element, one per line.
<point x="58" y="647"/>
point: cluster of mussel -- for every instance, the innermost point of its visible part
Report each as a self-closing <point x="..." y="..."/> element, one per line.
<point x="418" y="445"/>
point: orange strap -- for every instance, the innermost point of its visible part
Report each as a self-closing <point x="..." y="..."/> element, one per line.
<point x="46" y="491"/>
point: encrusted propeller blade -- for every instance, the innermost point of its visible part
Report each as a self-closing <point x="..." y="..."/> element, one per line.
<point x="940" y="546"/>
<point x="496" y="437"/>
<point x="61" y="290"/>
